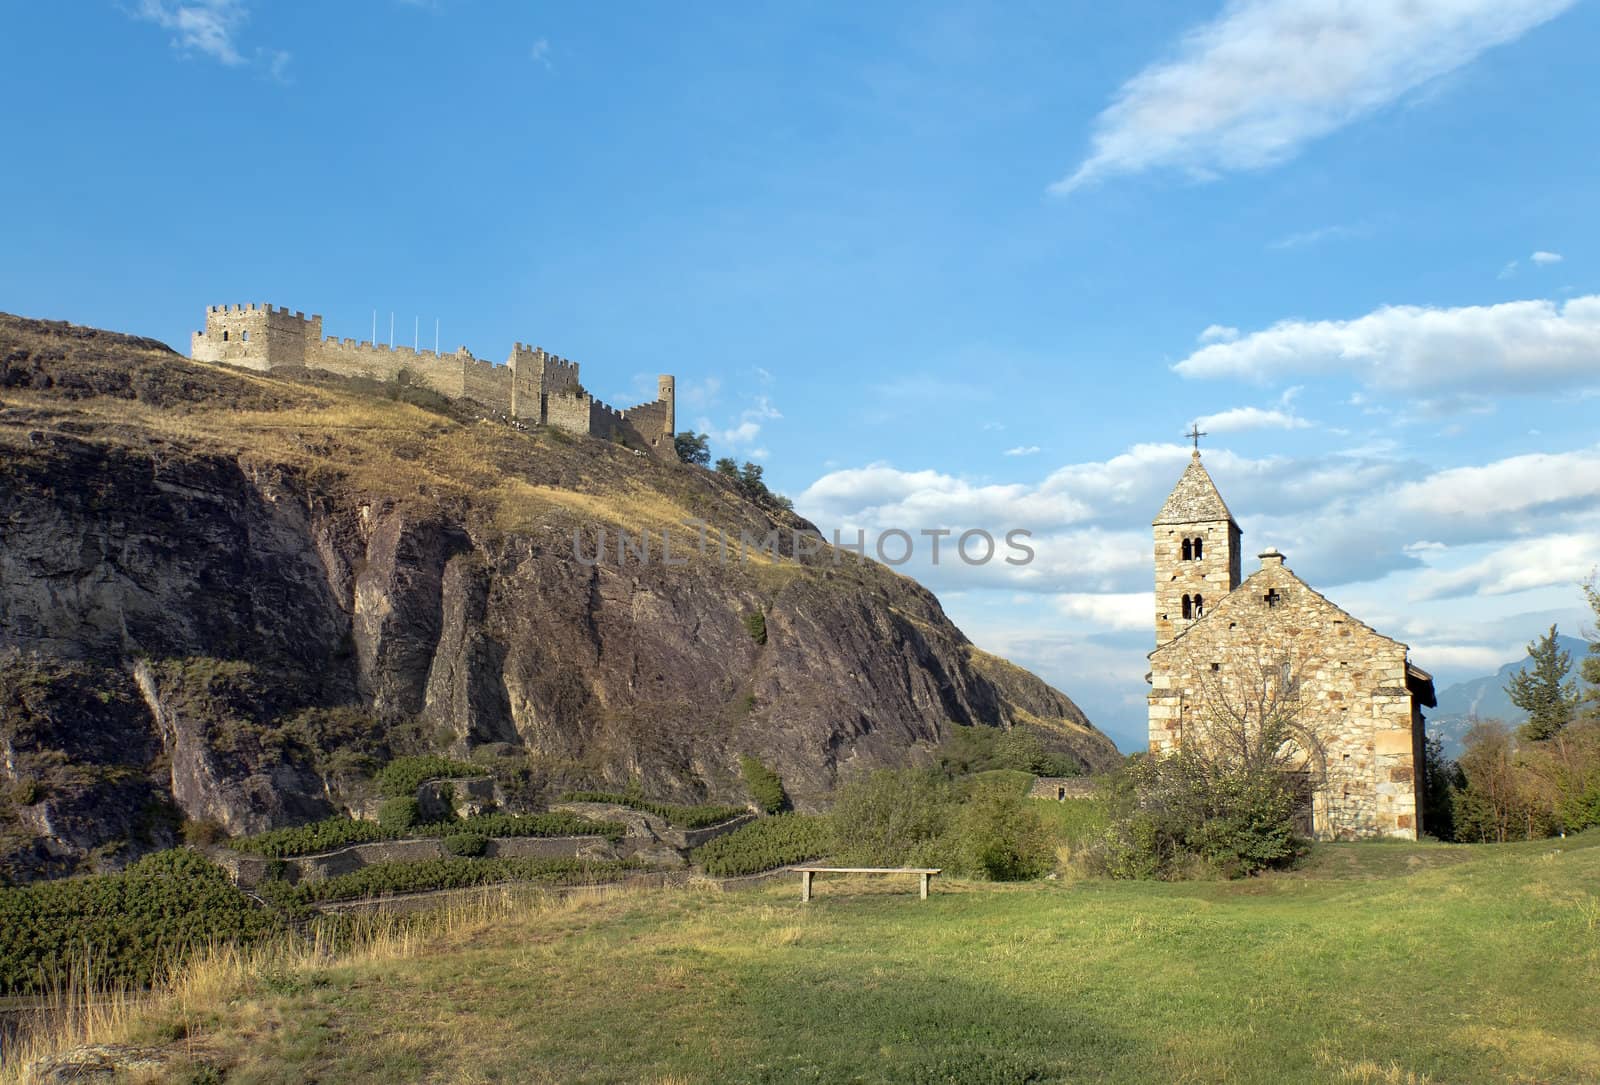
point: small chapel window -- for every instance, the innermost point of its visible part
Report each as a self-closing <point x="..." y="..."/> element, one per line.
<point x="1187" y="553"/>
<point x="1198" y="545"/>
<point x="1188" y="607"/>
<point x="1199" y="606"/>
<point x="1272" y="598"/>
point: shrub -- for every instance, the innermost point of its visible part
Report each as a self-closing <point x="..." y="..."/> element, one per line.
<point x="455" y="873"/>
<point x="121" y="929"/>
<point x="755" y="623"/>
<point x="767" y="844"/>
<point x="401" y="777"/>
<point x="765" y="786"/>
<point x="1174" y="816"/>
<point x="998" y="834"/>
<point x="467" y="845"/>
<point x="397" y="815"/>
<point x="340" y="832"/>
<point x="682" y="817"/>
<point x="892" y="818"/>
<point x="981" y="748"/>
<point x="202" y="833"/>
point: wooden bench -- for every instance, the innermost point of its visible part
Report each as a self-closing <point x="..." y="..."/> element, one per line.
<point x="925" y="873"/>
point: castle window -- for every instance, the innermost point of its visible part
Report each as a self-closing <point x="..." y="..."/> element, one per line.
<point x="1216" y="666"/>
<point x="1199" y="606"/>
<point x="245" y="336"/>
<point x="224" y="337"/>
<point x="1188" y="554"/>
<point x="1272" y="598"/>
<point x="1188" y="607"/>
<point x="1198" y="546"/>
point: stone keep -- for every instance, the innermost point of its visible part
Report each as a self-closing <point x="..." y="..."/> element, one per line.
<point x="1235" y="648"/>
<point x="532" y="386"/>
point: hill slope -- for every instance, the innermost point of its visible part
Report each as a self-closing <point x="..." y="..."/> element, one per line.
<point x="227" y="596"/>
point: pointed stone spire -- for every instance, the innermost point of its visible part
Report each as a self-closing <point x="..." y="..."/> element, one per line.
<point x="1194" y="499"/>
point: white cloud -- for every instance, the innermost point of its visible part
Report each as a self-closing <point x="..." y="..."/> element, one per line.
<point x="1509" y="270"/>
<point x="1543" y="257"/>
<point x="1247" y="418"/>
<point x="1313" y="237"/>
<point x="1249" y="88"/>
<point x="203" y="26"/>
<point x="748" y="428"/>
<point x="1516" y="346"/>
<point x="1023" y="450"/>
<point x="1218" y="333"/>
<point x="1519" y="566"/>
<point x="540" y="52"/>
<point x="1495" y="491"/>
<point x="1122" y="611"/>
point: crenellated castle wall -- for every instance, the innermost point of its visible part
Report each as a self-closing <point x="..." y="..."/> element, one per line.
<point x="532" y="386"/>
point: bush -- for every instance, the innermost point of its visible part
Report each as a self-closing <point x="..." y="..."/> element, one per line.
<point x="755" y="623"/>
<point x="764" y="785"/>
<point x="767" y="844"/>
<point x="340" y="832"/>
<point x="397" y="815"/>
<point x="998" y="834"/>
<point x="682" y="817"/>
<point x="981" y="748"/>
<point x="1176" y="816"/>
<point x="466" y="845"/>
<point x="401" y="777"/>
<point x="380" y="879"/>
<point x="121" y="929"/>
<point x="892" y="818"/>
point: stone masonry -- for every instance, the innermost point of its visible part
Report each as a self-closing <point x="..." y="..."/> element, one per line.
<point x="532" y="386"/>
<point x="1270" y="644"/>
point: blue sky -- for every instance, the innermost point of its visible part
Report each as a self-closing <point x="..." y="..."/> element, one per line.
<point x="936" y="266"/>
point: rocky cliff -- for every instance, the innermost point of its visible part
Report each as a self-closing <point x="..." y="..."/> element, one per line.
<point x="226" y="597"/>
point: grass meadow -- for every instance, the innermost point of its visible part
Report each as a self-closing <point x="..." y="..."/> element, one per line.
<point x="1382" y="962"/>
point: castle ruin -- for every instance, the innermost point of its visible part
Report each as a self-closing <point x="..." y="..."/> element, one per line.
<point x="1231" y="653"/>
<point x="531" y="387"/>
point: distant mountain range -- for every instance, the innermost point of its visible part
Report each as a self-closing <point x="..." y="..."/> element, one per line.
<point x="1485" y="699"/>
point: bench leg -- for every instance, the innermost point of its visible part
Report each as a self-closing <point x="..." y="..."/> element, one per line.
<point x="924" y="887"/>
<point x="805" y="886"/>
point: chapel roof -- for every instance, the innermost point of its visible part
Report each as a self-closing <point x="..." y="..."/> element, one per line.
<point x="1194" y="498"/>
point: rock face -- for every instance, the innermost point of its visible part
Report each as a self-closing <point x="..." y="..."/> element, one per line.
<point x="225" y="597"/>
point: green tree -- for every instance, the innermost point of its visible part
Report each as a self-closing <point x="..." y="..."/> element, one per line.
<point x="892" y="818"/>
<point x="726" y="466"/>
<point x="1440" y="779"/>
<point x="999" y="834"/>
<point x="1542" y="689"/>
<point x="1590" y="669"/>
<point x="693" y="448"/>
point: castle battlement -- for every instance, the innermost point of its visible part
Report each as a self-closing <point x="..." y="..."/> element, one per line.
<point x="531" y="386"/>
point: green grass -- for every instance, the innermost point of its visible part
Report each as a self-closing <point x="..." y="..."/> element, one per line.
<point x="1377" y="963"/>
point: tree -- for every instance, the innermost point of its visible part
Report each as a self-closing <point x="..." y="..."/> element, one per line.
<point x="726" y="466"/>
<point x="1590" y="670"/>
<point x="693" y="448"/>
<point x="1543" y="691"/>
<point x="750" y="480"/>
<point x="1499" y="799"/>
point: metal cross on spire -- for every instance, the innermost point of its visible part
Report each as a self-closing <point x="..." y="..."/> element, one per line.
<point x="1195" y="433"/>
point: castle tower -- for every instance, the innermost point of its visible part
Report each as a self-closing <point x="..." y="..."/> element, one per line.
<point x="1196" y="552"/>
<point x="666" y="392"/>
<point x="256" y="336"/>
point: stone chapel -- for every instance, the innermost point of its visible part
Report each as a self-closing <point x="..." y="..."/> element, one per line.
<point x="1229" y="650"/>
